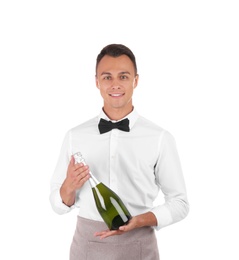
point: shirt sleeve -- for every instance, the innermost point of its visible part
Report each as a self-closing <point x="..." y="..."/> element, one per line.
<point x="59" y="176"/>
<point x="170" y="179"/>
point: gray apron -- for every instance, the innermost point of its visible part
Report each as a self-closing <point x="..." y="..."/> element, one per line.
<point x="138" y="244"/>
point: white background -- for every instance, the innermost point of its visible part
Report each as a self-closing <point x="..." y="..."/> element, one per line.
<point x="188" y="61"/>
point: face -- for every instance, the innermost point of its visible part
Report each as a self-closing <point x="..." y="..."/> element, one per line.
<point x="116" y="81"/>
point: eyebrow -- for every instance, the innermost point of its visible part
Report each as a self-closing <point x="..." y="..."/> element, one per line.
<point x="121" y="73"/>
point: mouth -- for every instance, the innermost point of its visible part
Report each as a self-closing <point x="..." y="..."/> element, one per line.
<point x="116" y="94"/>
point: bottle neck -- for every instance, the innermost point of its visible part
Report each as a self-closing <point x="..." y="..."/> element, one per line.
<point x="93" y="181"/>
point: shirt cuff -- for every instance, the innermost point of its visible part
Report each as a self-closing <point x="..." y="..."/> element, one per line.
<point x="163" y="216"/>
<point x="58" y="206"/>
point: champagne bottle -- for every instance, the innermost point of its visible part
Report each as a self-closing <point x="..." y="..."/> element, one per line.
<point x="110" y="206"/>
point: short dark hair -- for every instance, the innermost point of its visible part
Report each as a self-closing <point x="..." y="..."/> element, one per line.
<point x="116" y="50"/>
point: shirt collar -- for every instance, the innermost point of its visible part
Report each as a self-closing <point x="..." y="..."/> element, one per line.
<point x="133" y="116"/>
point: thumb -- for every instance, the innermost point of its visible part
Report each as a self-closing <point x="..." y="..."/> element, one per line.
<point x="72" y="162"/>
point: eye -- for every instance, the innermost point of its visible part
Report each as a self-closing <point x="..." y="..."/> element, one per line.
<point x="107" y="78"/>
<point x="123" y="77"/>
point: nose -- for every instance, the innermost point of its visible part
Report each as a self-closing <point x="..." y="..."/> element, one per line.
<point x="115" y="84"/>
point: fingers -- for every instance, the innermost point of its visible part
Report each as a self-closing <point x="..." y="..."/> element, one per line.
<point x="77" y="169"/>
<point x="108" y="233"/>
<point x="122" y="229"/>
<point x="77" y="174"/>
<point x="81" y="175"/>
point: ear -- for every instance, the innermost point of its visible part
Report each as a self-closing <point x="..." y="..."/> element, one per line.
<point x="136" y="80"/>
<point x="97" y="82"/>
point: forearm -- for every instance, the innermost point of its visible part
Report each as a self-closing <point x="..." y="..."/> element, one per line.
<point x="146" y="219"/>
<point x="68" y="196"/>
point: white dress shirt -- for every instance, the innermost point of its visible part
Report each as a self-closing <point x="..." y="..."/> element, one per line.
<point x="135" y="164"/>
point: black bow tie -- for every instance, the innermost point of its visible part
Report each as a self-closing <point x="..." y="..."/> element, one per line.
<point x="106" y="126"/>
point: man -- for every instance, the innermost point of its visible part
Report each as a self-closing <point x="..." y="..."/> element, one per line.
<point x="135" y="163"/>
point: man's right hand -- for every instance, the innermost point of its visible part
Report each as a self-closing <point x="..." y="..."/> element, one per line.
<point x="77" y="175"/>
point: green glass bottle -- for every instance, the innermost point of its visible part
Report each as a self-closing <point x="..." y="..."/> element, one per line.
<point x="110" y="206"/>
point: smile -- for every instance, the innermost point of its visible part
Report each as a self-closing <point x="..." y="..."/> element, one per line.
<point x="116" y="95"/>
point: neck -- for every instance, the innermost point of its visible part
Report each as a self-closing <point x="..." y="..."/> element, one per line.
<point x="117" y="114"/>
